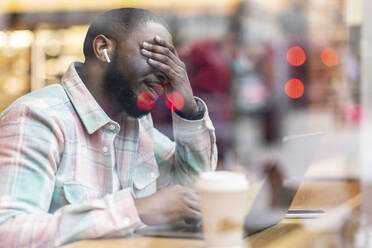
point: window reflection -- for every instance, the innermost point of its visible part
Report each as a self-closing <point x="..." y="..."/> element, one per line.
<point x="266" y="69"/>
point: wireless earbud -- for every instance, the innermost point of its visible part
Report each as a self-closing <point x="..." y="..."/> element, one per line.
<point x="106" y="56"/>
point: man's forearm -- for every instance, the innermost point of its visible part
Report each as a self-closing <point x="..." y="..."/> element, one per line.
<point x="196" y="149"/>
<point x="110" y="215"/>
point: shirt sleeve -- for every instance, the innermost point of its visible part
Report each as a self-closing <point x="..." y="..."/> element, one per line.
<point x="193" y="151"/>
<point x="30" y="148"/>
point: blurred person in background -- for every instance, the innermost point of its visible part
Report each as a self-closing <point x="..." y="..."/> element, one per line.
<point x="207" y="63"/>
<point x="82" y="159"/>
<point x="210" y="64"/>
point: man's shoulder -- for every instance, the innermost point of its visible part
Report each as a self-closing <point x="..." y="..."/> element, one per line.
<point x="52" y="97"/>
<point x="46" y="97"/>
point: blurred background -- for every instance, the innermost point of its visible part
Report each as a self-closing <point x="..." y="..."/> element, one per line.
<point x="265" y="68"/>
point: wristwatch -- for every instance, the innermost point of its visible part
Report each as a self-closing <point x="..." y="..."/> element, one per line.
<point x="198" y="116"/>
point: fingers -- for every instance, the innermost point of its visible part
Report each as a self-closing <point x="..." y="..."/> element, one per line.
<point x="159" y="57"/>
<point x="163" y="57"/>
<point x="195" y="205"/>
<point x="194" y="195"/>
<point x="165" y="43"/>
<point x="193" y="214"/>
<point x="192" y="200"/>
<point x="191" y="206"/>
<point x="169" y="71"/>
<point x="167" y="50"/>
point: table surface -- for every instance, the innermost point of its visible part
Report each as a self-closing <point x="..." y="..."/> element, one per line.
<point x="339" y="198"/>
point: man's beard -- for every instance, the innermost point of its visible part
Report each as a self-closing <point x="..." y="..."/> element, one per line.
<point x="118" y="86"/>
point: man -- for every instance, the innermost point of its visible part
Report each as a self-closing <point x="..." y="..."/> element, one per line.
<point x="82" y="159"/>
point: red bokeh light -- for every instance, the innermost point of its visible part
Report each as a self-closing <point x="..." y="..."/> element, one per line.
<point x="145" y="101"/>
<point x="176" y="100"/>
<point x="329" y="57"/>
<point x="294" y="88"/>
<point x="296" y="56"/>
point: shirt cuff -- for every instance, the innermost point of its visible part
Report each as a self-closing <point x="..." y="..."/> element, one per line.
<point x="123" y="214"/>
<point x="185" y="128"/>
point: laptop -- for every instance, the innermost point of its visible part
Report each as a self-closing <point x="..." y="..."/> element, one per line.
<point x="284" y="172"/>
<point x="281" y="172"/>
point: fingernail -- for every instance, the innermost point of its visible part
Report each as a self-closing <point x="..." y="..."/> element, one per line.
<point x="151" y="60"/>
<point x="145" y="44"/>
<point x="158" y="38"/>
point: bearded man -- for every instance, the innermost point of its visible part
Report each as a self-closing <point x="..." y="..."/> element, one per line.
<point x="82" y="159"/>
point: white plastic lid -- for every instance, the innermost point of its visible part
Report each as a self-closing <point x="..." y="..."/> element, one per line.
<point x="222" y="181"/>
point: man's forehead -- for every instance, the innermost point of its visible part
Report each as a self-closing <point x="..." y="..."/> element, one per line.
<point x="148" y="31"/>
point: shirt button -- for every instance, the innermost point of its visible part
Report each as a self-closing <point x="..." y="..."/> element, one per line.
<point x="126" y="221"/>
<point x="112" y="127"/>
<point x="105" y="149"/>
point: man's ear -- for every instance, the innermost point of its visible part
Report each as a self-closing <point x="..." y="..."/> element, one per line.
<point x="100" y="43"/>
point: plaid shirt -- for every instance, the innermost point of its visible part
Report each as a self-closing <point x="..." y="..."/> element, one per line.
<point x="60" y="155"/>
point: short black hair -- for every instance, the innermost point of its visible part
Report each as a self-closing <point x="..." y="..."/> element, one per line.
<point x="117" y="23"/>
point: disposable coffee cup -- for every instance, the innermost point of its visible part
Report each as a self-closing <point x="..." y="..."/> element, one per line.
<point x="224" y="199"/>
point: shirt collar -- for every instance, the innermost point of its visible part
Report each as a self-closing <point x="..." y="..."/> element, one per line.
<point x="90" y="113"/>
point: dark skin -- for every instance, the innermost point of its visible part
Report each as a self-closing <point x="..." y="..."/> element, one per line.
<point x="148" y="59"/>
<point x="169" y="205"/>
<point x="149" y="62"/>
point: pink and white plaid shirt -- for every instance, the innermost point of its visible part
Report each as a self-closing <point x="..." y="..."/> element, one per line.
<point x="68" y="172"/>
